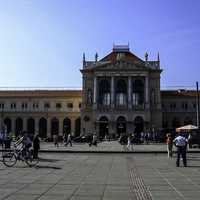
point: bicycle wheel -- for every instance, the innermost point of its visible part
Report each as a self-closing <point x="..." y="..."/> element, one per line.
<point x="9" y="159"/>
<point x="31" y="161"/>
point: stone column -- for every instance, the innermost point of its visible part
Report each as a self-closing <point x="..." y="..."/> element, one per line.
<point x="129" y="92"/>
<point x="112" y="92"/>
<point x="73" y="126"/>
<point x="36" y="125"/>
<point x="158" y="95"/>
<point x="13" y="124"/>
<point x="25" y="123"/>
<point x="95" y="93"/>
<point x="48" y="127"/>
<point x="146" y="92"/>
<point x="95" y="90"/>
<point x="60" y="127"/>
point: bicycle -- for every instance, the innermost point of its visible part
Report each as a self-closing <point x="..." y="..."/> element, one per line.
<point x="11" y="158"/>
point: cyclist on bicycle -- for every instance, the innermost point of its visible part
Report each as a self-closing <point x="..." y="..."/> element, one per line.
<point x="26" y="144"/>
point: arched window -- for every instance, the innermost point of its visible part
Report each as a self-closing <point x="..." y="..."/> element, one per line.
<point x="8" y="124"/>
<point x="66" y="126"/>
<point x="54" y="126"/>
<point x="121" y="93"/>
<point x="43" y="127"/>
<point x="121" y="125"/>
<point x="31" y="126"/>
<point x="78" y="126"/>
<point x="103" y="127"/>
<point x="138" y="92"/>
<point x="104" y="92"/>
<point x="18" y="126"/>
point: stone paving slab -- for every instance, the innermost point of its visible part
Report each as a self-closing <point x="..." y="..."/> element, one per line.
<point x="102" y="177"/>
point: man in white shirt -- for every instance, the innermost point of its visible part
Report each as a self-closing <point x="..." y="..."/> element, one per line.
<point x="181" y="144"/>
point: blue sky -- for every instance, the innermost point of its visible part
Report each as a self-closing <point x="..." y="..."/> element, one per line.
<point x="42" y="41"/>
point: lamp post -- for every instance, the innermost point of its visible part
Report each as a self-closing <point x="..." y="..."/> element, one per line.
<point x="197" y="103"/>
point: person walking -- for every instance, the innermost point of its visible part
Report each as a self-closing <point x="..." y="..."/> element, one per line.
<point x="36" y="146"/>
<point x="55" y="137"/>
<point x="94" y="140"/>
<point x="69" y="140"/>
<point x="181" y="144"/>
<point x="130" y="142"/>
<point x="169" y="142"/>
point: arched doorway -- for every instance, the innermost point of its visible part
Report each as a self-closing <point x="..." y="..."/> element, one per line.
<point x="139" y="125"/>
<point x="121" y="125"/>
<point x="31" y="126"/>
<point x="66" y="126"/>
<point x="103" y="127"/>
<point x="78" y="127"/>
<point x="54" y="126"/>
<point x="18" y="126"/>
<point x="8" y="124"/>
<point x="43" y="128"/>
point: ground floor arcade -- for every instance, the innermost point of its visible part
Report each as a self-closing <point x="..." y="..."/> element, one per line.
<point x="46" y="126"/>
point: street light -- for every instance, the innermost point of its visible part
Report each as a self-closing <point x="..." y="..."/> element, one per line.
<point x="197" y="102"/>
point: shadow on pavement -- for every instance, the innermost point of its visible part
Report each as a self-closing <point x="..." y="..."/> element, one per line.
<point x="193" y="166"/>
<point x="47" y="167"/>
<point x="48" y="160"/>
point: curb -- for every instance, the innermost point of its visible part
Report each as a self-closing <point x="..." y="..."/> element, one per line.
<point x="111" y="152"/>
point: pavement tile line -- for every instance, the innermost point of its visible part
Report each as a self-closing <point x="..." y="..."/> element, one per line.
<point x="84" y="177"/>
<point x="106" y="183"/>
<point x="53" y="185"/>
<point x="24" y="186"/>
<point x="187" y="178"/>
<point x="168" y="182"/>
<point x="177" y="170"/>
<point x="28" y="184"/>
<point x="137" y="186"/>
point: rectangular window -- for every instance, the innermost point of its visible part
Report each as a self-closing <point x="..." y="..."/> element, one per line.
<point x="13" y="105"/>
<point x="121" y="99"/>
<point x="24" y="105"/>
<point x="58" y="105"/>
<point x="35" y="105"/>
<point x="135" y="99"/>
<point x="106" y="99"/>
<point x="1" y="105"/>
<point x="70" y="105"/>
<point x="46" y="105"/>
<point x="184" y="106"/>
<point x="172" y="106"/>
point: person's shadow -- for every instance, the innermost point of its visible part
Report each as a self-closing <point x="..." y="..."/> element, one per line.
<point x="46" y="167"/>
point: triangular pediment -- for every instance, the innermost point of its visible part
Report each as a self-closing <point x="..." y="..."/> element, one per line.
<point x="121" y="65"/>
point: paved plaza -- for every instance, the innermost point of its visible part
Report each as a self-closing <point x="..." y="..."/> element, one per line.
<point x="108" y="146"/>
<point x="102" y="177"/>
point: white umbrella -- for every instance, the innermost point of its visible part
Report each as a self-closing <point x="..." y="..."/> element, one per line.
<point x="187" y="128"/>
